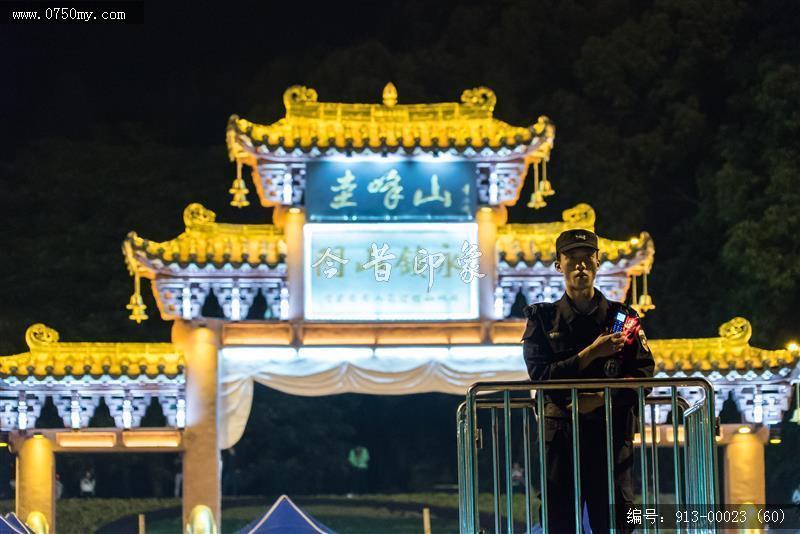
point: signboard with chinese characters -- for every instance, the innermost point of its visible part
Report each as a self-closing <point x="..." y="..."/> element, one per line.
<point x="391" y="271"/>
<point x="390" y="191"/>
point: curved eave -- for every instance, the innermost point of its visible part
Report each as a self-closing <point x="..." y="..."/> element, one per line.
<point x="95" y="360"/>
<point x="180" y="255"/>
<point x="247" y="140"/>
<point x="26" y="378"/>
<point x="712" y="356"/>
<point x="534" y="253"/>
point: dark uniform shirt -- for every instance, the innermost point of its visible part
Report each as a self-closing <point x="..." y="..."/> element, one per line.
<point x="557" y="332"/>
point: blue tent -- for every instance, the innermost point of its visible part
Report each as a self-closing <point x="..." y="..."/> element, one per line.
<point x="10" y="524"/>
<point x="285" y="517"/>
<point x="16" y="522"/>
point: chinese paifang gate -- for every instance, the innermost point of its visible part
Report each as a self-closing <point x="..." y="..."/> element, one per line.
<point x="390" y="268"/>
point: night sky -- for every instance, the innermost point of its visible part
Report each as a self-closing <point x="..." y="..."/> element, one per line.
<point x="189" y="67"/>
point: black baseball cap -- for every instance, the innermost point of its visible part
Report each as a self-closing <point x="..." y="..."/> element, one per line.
<point x="577" y="238"/>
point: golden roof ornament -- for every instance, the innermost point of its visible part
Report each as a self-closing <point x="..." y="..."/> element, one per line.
<point x="480" y="97"/>
<point x="297" y="96"/>
<point x="239" y="189"/>
<point x="389" y="95"/>
<point x="136" y="304"/>
<point x="545" y="186"/>
<point x="796" y="416"/>
<point x="48" y="356"/>
<point x="309" y="123"/>
<point x="641" y="303"/>
<point x="40" y="334"/>
<point x="645" y="302"/>
<point x="537" y="197"/>
<point x="737" y="331"/>
<point x="196" y="216"/>
<point x="537" y="201"/>
<point x="542" y="124"/>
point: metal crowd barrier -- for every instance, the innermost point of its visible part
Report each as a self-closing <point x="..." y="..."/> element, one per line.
<point x="694" y="460"/>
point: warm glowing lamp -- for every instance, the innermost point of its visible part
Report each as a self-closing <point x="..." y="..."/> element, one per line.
<point x="775" y="434"/>
<point x="87" y="440"/>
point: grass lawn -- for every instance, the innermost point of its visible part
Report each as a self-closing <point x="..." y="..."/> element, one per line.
<point x="384" y="513"/>
<point x="343" y="519"/>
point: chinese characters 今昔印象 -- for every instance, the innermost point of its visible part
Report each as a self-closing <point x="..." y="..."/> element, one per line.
<point x="425" y="262"/>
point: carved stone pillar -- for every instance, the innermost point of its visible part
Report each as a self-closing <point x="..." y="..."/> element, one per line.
<point x="293" y="234"/>
<point x="488" y="219"/>
<point x="201" y="459"/>
<point x="36" y="475"/>
<point x="744" y="468"/>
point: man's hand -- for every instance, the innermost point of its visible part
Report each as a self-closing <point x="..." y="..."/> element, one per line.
<point x="605" y="345"/>
<point x="588" y="402"/>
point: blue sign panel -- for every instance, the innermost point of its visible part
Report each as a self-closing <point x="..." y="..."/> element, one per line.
<point x="390" y="191"/>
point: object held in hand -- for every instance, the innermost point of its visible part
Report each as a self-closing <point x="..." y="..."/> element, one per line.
<point x="627" y="324"/>
<point x="631" y="328"/>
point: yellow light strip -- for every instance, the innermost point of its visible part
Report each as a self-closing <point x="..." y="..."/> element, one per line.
<point x="77" y="440"/>
<point x="151" y="438"/>
<point x="648" y="434"/>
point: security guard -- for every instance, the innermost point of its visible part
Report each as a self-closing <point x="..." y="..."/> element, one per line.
<point x="571" y="339"/>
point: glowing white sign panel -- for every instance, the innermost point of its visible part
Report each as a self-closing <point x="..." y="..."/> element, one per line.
<point x="391" y="271"/>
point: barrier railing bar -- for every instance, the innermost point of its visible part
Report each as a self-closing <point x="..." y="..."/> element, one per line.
<point x="643" y="452"/>
<point x="576" y="463"/>
<point x="495" y="471"/>
<point x="612" y="502"/>
<point x="654" y="451"/>
<point x="472" y="465"/>
<point x="526" y="446"/>
<point x="542" y="463"/>
<point x="509" y="487"/>
<point x="462" y="489"/>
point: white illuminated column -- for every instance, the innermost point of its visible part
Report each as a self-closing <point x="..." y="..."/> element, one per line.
<point x="127" y="416"/>
<point x="186" y="302"/>
<point x="284" y="308"/>
<point x="180" y="414"/>
<point x="758" y="406"/>
<point x="22" y="414"/>
<point x="75" y="413"/>
<point x="236" y="304"/>
<point x="287" y="189"/>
